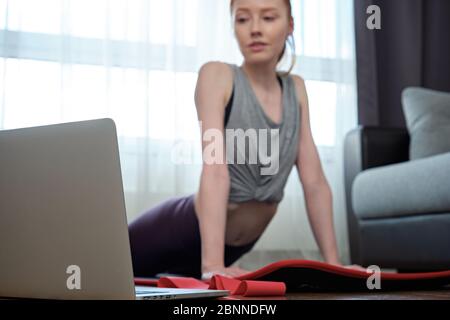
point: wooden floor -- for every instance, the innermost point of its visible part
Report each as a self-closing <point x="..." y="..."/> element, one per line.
<point x="441" y="294"/>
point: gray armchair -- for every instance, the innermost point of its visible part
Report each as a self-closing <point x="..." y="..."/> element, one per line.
<point x="398" y="210"/>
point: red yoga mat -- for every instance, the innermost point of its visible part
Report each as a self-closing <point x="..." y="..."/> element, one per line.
<point x="304" y="275"/>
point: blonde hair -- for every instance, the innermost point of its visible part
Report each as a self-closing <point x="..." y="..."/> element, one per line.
<point x="290" y="39"/>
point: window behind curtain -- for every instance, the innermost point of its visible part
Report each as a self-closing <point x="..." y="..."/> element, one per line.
<point x="42" y="39"/>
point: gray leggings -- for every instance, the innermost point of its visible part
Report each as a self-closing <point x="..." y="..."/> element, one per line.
<point x="166" y="239"/>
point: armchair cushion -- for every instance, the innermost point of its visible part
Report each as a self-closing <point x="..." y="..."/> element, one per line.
<point x="410" y="188"/>
<point x="427" y="114"/>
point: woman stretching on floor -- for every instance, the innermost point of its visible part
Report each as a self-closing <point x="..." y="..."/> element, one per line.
<point x="204" y="233"/>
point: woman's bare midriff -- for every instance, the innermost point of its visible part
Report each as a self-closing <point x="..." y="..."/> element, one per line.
<point x="246" y="221"/>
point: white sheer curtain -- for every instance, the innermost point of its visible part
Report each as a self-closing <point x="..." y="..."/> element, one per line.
<point x="136" y="61"/>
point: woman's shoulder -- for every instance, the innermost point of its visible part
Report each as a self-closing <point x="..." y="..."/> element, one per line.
<point x="298" y="80"/>
<point x="300" y="88"/>
<point x="218" y="70"/>
<point x="217" y="75"/>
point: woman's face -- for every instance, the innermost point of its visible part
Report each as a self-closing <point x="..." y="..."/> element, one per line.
<point x="261" y="21"/>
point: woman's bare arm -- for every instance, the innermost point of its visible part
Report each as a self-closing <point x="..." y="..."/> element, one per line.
<point x="318" y="195"/>
<point x="212" y="197"/>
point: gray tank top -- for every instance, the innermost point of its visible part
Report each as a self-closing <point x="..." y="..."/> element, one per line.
<point x="247" y="179"/>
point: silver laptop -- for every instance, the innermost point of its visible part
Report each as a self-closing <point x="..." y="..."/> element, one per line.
<point x="63" y="226"/>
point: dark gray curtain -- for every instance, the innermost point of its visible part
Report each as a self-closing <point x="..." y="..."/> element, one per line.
<point x="411" y="49"/>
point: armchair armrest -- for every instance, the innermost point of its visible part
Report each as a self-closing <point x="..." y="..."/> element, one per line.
<point x="364" y="148"/>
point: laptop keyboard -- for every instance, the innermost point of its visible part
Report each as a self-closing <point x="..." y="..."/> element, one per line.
<point x="149" y="292"/>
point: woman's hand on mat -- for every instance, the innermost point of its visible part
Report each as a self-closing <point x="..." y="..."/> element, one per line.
<point x="352" y="266"/>
<point x="231" y="272"/>
<point x="355" y="267"/>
